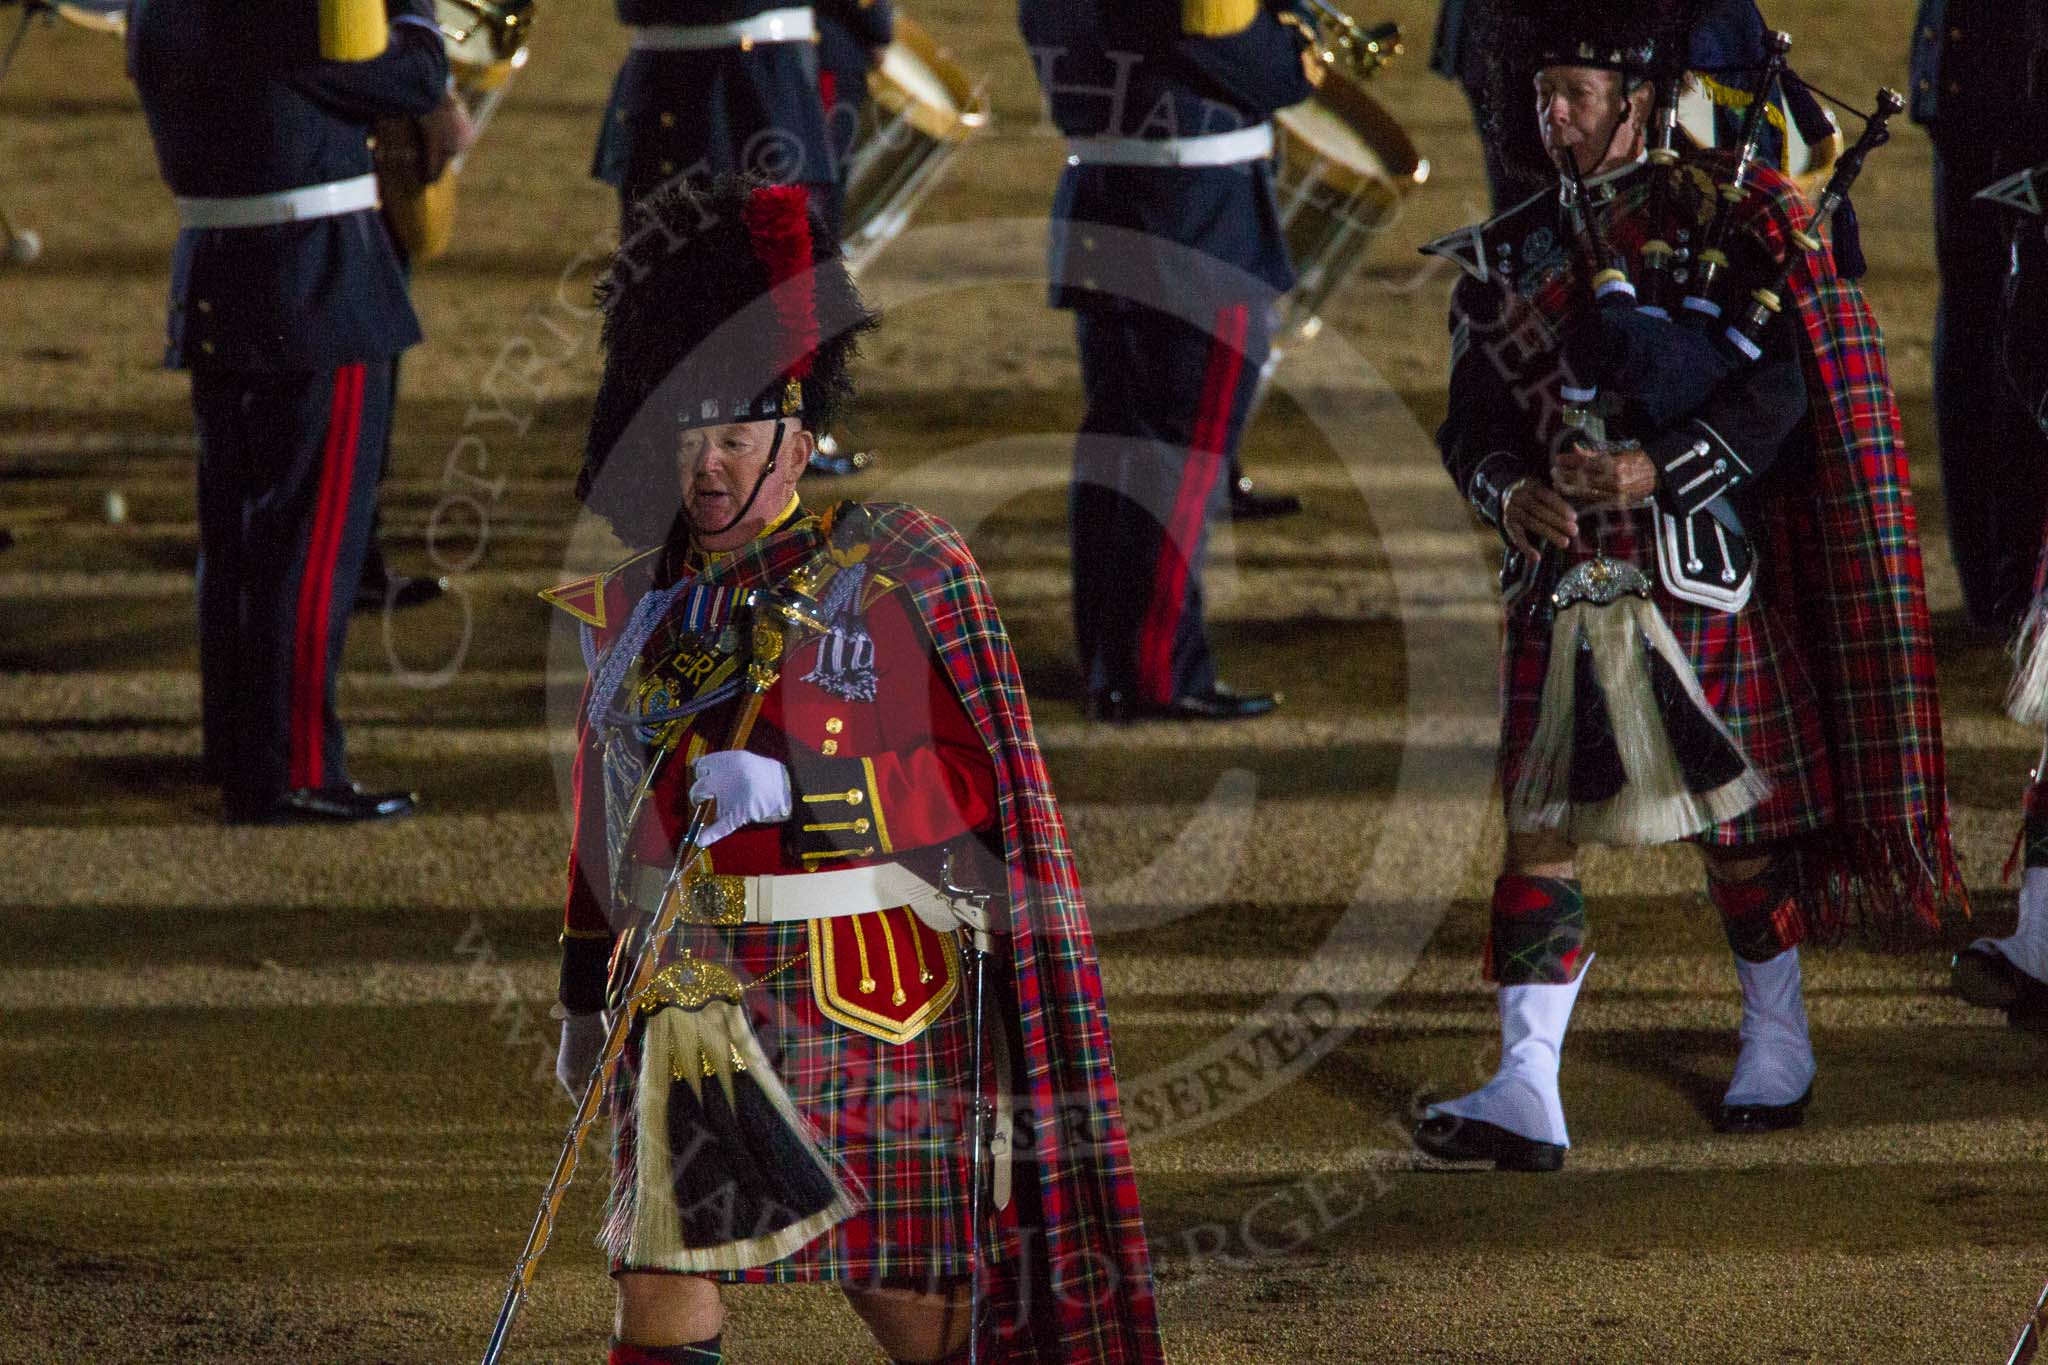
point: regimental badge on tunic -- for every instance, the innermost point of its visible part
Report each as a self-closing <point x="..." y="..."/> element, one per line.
<point x="846" y="653"/>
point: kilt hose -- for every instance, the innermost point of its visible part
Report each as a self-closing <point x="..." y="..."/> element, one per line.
<point x="1747" y="667"/>
<point x="892" y="1117"/>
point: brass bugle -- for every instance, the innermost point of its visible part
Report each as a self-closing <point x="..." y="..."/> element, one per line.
<point x="507" y="22"/>
<point x="1350" y="45"/>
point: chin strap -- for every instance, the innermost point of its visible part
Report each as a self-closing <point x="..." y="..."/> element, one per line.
<point x="774" y="451"/>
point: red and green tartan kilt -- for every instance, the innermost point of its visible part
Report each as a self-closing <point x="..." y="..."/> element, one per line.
<point x="892" y="1116"/>
<point x="1748" y="668"/>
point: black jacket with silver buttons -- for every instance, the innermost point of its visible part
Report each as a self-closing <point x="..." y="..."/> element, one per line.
<point x="1712" y="465"/>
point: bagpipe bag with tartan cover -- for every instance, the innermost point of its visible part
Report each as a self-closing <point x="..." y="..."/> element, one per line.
<point x="1848" y="571"/>
<point x="1078" y="1284"/>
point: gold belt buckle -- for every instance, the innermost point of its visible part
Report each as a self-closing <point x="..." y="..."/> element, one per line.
<point x="715" y="900"/>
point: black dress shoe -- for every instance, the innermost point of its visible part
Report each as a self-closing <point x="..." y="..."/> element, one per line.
<point x="1988" y="978"/>
<point x="1218" y="703"/>
<point x="1248" y="504"/>
<point x="322" y="805"/>
<point x="1450" y="1138"/>
<point x="1762" y="1118"/>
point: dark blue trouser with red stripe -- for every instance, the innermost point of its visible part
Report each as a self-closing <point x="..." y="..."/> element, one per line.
<point x="288" y="467"/>
<point x="1167" y="404"/>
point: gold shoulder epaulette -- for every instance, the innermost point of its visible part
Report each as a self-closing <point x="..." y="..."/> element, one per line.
<point x="583" y="598"/>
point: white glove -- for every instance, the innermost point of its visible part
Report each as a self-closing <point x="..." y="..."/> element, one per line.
<point x="583" y="1040"/>
<point x="747" y="789"/>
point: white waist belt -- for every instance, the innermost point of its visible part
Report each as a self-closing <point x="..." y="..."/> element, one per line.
<point x="793" y="25"/>
<point x="283" y="206"/>
<point x="730" y="900"/>
<point x="1210" y="149"/>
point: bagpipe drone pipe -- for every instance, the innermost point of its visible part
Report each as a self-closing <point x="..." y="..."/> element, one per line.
<point x="1684" y="276"/>
<point x="1714" y="249"/>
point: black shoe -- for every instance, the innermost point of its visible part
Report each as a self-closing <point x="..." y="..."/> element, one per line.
<point x="322" y="805"/>
<point x="1218" y="703"/>
<point x="1762" y="1118"/>
<point x="1450" y="1138"/>
<point x="397" y="592"/>
<point x="1248" y="504"/>
<point x="1988" y="978"/>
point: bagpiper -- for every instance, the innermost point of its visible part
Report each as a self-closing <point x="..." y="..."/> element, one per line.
<point x="1675" y="411"/>
<point x="2011" y="973"/>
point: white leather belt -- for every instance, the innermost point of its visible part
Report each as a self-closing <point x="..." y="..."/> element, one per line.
<point x="283" y="206"/>
<point x="793" y="25"/>
<point x="1210" y="149"/>
<point x="730" y="900"/>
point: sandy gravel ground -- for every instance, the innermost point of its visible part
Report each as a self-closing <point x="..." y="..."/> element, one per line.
<point x="271" y="1095"/>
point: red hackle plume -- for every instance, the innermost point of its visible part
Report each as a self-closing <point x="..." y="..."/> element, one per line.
<point x="778" y="219"/>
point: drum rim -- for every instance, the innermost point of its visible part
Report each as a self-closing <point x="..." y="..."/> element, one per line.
<point x="1401" y="166"/>
<point x="946" y="125"/>
<point x="82" y="14"/>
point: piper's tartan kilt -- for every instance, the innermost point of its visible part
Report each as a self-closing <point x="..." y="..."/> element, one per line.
<point x="893" y="1116"/>
<point x="1751" y="677"/>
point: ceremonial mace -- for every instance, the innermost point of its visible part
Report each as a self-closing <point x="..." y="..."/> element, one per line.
<point x="2032" y="1335"/>
<point x="779" y="618"/>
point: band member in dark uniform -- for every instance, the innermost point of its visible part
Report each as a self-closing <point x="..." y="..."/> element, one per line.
<point x="716" y="86"/>
<point x="2010" y="973"/>
<point x="852" y="35"/>
<point x="1663" y="677"/>
<point x="1980" y="85"/>
<point x="287" y="306"/>
<point x="429" y="144"/>
<point x="1459" y="53"/>
<point x="792" y="1100"/>
<point x="1166" y="244"/>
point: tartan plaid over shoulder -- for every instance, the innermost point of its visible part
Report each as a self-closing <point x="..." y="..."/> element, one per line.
<point x="1077" y="1286"/>
<point x="1852" y="548"/>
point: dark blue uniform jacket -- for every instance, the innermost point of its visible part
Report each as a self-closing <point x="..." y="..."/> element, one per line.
<point x="700" y="113"/>
<point x="1132" y="68"/>
<point x="239" y="102"/>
